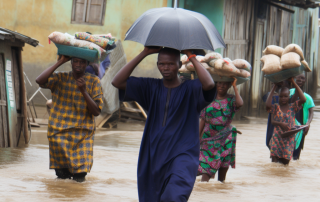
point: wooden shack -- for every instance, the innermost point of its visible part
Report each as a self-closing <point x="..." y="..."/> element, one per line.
<point x="13" y="102"/>
<point x="251" y="25"/>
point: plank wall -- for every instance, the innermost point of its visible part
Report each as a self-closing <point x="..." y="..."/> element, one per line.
<point x="280" y="28"/>
<point x="247" y="33"/>
<point x="238" y="36"/>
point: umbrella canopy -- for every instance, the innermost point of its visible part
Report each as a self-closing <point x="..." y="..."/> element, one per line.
<point x="176" y="28"/>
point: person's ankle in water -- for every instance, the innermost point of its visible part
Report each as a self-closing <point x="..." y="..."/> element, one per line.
<point x="79" y="177"/>
<point x="63" y="173"/>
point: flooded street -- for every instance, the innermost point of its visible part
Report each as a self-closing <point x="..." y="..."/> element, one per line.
<point x="25" y="174"/>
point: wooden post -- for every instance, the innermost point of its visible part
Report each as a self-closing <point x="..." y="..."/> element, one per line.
<point x="34" y="109"/>
<point x="33" y="120"/>
<point x="141" y="109"/>
<point x="23" y="100"/>
<point x="192" y="75"/>
<point x="3" y="107"/>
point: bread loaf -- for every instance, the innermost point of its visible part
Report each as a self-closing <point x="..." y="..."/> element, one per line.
<point x="190" y="66"/>
<point x="212" y="63"/>
<point x="200" y="58"/>
<point x="211" y="56"/>
<point x="225" y="68"/>
<point x="242" y="64"/>
<point x="244" y="73"/>
<point x="184" y="59"/>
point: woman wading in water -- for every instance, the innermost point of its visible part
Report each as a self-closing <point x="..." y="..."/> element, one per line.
<point x="283" y="118"/>
<point x="217" y="135"/>
<point x="303" y="116"/>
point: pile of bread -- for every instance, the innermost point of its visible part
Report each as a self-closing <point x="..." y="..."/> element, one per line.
<point x="217" y="65"/>
<point x="276" y="58"/>
<point x="102" y="43"/>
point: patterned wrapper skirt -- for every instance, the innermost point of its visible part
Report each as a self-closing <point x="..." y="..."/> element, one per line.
<point x="218" y="151"/>
<point x="282" y="147"/>
<point x="72" y="149"/>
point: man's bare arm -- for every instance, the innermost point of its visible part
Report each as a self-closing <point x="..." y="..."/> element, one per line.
<point x="203" y="75"/>
<point x="44" y="76"/>
<point x="120" y="80"/>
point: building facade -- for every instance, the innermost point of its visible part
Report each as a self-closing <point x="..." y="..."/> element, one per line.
<point x="39" y="18"/>
<point x="247" y="26"/>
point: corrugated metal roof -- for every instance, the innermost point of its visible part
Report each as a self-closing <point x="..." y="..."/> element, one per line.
<point x="299" y="3"/>
<point x="8" y="34"/>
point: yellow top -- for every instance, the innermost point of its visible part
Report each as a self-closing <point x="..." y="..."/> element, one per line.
<point x="69" y="110"/>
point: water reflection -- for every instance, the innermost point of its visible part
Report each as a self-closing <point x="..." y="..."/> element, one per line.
<point x="25" y="174"/>
<point x="66" y="189"/>
<point x="11" y="155"/>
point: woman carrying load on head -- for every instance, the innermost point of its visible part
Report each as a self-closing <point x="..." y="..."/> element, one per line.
<point x="275" y="99"/>
<point x="303" y="116"/>
<point x="76" y="100"/>
<point x="283" y="118"/>
<point x="217" y="135"/>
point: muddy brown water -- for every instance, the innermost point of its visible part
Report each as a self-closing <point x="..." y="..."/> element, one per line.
<point x="24" y="173"/>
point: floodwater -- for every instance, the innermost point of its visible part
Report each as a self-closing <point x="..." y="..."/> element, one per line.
<point x="25" y="176"/>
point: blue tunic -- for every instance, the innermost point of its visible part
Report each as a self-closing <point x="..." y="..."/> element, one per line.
<point x="169" y="151"/>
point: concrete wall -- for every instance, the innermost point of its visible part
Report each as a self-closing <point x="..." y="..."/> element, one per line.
<point x="38" y="18"/>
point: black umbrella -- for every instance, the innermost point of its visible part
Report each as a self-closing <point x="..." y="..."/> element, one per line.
<point x="176" y="28"/>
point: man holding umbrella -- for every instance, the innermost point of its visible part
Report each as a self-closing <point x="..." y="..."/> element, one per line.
<point x="169" y="152"/>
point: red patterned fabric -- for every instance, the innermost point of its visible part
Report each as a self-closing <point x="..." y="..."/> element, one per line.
<point x="283" y="147"/>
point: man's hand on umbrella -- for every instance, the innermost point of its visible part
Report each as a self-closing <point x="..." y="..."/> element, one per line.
<point x="148" y="50"/>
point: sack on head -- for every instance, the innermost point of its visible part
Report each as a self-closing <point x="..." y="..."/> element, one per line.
<point x="305" y="64"/>
<point x="230" y="69"/>
<point x="200" y="58"/>
<point x="205" y="65"/>
<point x="215" y="69"/>
<point x="242" y="64"/>
<point x="212" y="71"/>
<point x="184" y="59"/>
<point x="57" y="37"/>
<point x="290" y="60"/>
<point x="212" y="56"/>
<point x="272" y="49"/>
<point x="223" y="67"/>
<point x="212" y="63"/>
<point x="228" y="60"/>
<point x="190" y="66"/>
<point x="294" y="48"/>
<point x="183" y="69"/>
<point x="244" y="73"/>
<point x="218" y="64"/>
<point x="271" y="64"/>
